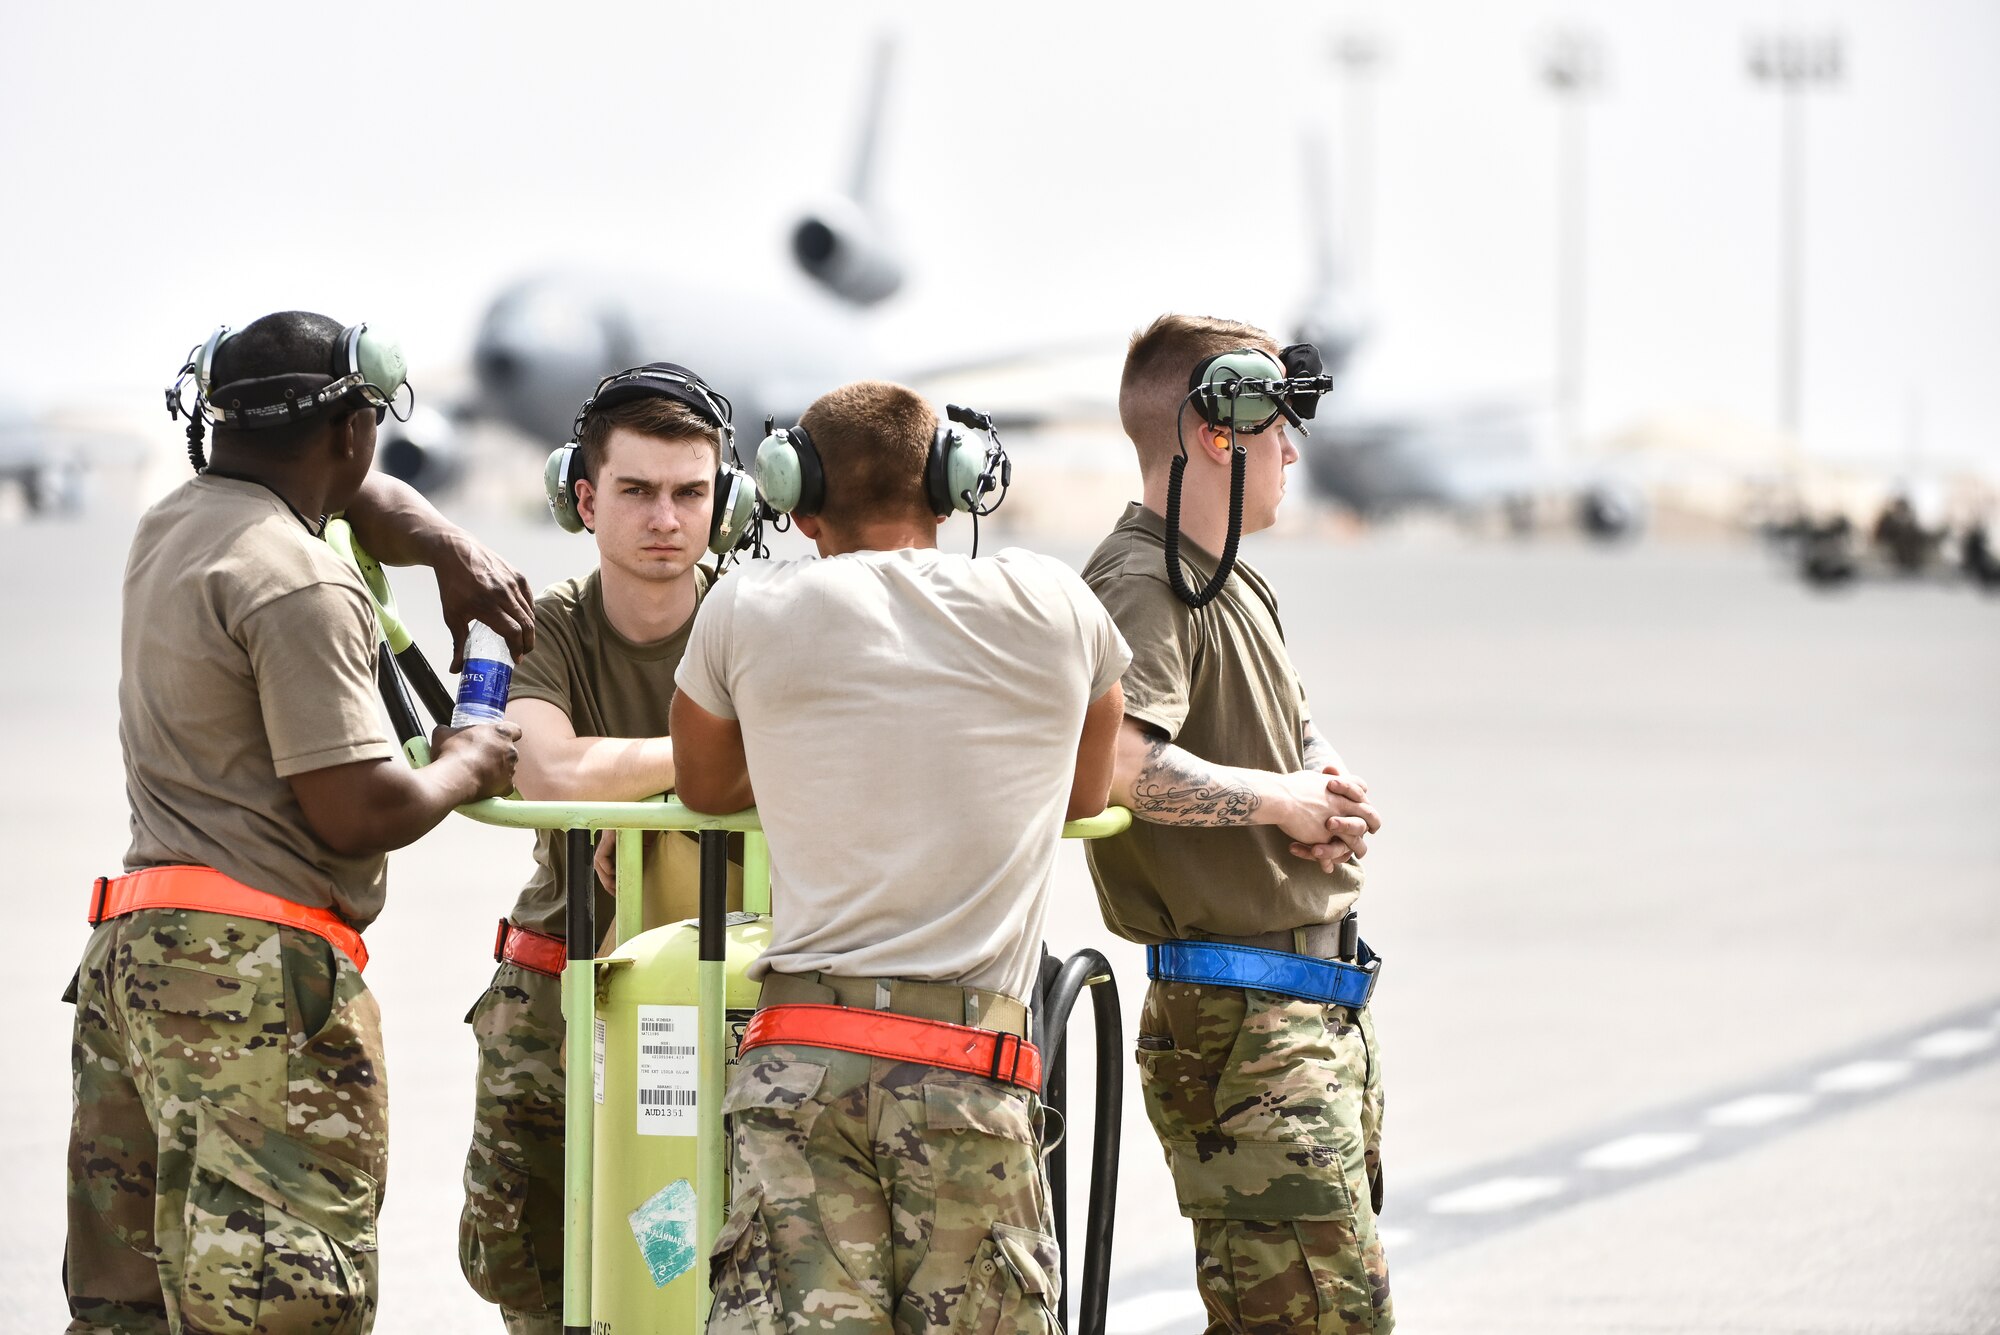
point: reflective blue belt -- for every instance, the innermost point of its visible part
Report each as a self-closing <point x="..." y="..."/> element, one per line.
<point x="1330" y="982"/>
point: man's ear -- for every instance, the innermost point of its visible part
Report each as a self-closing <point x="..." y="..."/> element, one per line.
<point x="586" y="503"/>
<point x="1216" y="442"/>
<point x="808" y="525"/>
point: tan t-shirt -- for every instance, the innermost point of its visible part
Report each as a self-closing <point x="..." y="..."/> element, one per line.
<point x="609" y="686"/>
<point x="1218" y="682"/>
<point x="247" y="656"/>
<point x="910" y="719"/>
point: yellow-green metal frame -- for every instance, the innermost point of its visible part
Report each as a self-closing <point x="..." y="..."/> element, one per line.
<point x="579" y="993"/>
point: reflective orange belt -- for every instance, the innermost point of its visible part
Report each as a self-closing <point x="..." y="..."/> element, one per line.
<point x="530" y="949"/>
<point x="206" y="890"/>
<point x="956" y="1047"/>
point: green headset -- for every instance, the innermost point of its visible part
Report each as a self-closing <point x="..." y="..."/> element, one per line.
<point x="1241" y="391"/>
<point x="957" y="473"/>
<point x="364" y="363"/>
<point x="734" y="497"/>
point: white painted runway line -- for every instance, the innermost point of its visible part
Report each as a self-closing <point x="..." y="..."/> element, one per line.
<point x="1148" y="1312"/>
<point x="1947" y="1044"/>
<point x="1642" y="1150"/>
<point x="1758" y="1109"/>
<point x="1499" y="1193"/>
<point x="1856" y="1077"/>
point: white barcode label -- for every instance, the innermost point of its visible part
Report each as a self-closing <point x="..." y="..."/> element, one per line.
<point x="666" y="1065"/>
<point x="597" y="1057"/>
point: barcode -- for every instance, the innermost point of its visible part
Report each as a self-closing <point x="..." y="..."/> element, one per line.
<point x="678" y="1098"/>
<point x="656" y="1026"/>
<point x="666" y="1049"/>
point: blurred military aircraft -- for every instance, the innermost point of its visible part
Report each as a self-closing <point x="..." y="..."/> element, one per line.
<point x="1464" y="459"/>
<point x="545" y="341"/>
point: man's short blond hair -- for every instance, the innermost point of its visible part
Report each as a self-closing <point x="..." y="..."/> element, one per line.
<point x="1157" y="365"/>
<point x="874" y="440"/>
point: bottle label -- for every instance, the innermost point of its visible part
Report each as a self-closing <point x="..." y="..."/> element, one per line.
<point x="482" y="691"/>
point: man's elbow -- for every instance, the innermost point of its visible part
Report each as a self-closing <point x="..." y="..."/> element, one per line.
<point x="712" y="794"/>
<point x="1084" y="805"/>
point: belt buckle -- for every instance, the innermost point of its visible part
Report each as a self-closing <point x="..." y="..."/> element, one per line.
<point x="999" y="1052"/>
<point x="500" y="940"/>
<point x="100" y="891"/>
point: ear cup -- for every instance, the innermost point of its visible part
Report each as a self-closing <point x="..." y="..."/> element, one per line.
<point x="379" y="359"/>
<point x="953" y="470"/>
<point x="789" y="477"/>
<point x="204" y="366"/>
<point x="1248" y="413"/>
<point x="734" y="505"/>
<point x="561" y="487"/>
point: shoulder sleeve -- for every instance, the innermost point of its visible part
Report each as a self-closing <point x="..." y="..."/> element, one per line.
<point x="1159" y="634"/>
<point x="1106" y="654"/>
<point x="704" y="672"/>
<point x="550" y="671"/>
<point x="313" y="653"/>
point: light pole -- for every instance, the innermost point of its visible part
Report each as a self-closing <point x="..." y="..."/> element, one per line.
<point x="1792" y="63"/>
<point x="1573" y="68"/>
<point x="1357" y="54"/>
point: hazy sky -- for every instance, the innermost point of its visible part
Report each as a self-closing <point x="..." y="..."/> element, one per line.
<point x="1050" y="170"/>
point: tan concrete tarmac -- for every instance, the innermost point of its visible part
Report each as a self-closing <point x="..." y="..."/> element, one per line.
<point x="1658" y="821"/>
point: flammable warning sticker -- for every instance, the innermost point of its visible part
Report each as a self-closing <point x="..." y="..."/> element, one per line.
<point x="667" y="1066"/>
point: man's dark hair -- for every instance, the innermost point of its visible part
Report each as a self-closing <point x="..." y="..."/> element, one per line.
<point x="873" y="439"/>
<point x="656" y="416"/>
<point x="282" y="344"/>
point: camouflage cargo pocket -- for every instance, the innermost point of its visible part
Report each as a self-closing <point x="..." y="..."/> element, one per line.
<point x="1013" y="1286"/>
<point x="280" y="1236"/>
<point x="494" y="1247"/>
<point x="741" y="1278"/>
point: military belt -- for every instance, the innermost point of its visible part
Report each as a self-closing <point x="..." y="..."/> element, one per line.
<point x="532" y="950"/>
<point x="1329" y="982"/>
<point x="206" y="890"/>
<point x="945" y="1002"/>
<point x="1008" y="1058"/>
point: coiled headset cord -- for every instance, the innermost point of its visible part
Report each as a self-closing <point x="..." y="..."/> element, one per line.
<point x="1175" y="577"/>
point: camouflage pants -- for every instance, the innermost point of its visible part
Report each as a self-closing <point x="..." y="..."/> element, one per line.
<point x="510" y="1235"/>
<point x="230" y="1133"/>
<point x="1270" y="1110"/>
<point x="874" y="1196"/>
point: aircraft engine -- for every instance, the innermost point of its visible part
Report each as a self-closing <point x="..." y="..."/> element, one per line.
<point x="425" y="451"/>
<point x="843" y="250"/>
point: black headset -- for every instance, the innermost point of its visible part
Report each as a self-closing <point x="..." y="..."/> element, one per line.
<point x="734" y="497"/>
<point x="364" y="363"/>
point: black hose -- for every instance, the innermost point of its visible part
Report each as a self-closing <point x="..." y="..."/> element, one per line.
<point x="1061" y="988"/>
<point x="395" y="698"/>
<point x="424" y="681"/>
<point x="1175" y="577"/>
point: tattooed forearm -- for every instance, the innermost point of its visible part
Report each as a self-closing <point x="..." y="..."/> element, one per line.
<point x="1318" y="753"/>
<point x="1175" y="788"/>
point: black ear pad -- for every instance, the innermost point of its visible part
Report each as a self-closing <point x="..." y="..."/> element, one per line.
<point x="1203" y="407"/>
<point x="812" y="477"/>
<point x="937" y="474"/>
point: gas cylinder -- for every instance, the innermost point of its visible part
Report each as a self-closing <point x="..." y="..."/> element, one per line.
<point x="645" y="1259"/>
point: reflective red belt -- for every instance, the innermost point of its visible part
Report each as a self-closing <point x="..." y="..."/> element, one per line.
<point x="956" y="1047"/>
<point x="530" y="949"/>
<point x="206" y="890"/>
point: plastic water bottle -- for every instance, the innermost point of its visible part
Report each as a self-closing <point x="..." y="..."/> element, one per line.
<point x="489" y="671"/>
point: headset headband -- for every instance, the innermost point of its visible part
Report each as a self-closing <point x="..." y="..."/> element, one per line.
<point x="661" y="380"/>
